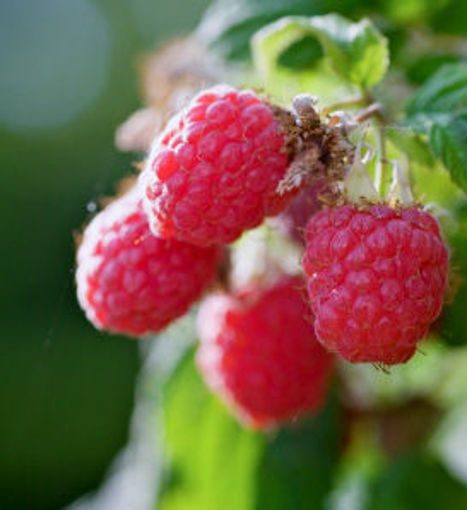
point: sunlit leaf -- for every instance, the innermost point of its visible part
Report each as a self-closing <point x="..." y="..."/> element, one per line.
<point x="215" y="463"/>
<point x="356" y="52"/>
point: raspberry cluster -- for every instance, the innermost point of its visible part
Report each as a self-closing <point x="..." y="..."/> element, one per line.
<point x="375" y="274"/>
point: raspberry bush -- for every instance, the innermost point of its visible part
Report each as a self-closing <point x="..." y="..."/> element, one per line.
<point x="330" y="179"/>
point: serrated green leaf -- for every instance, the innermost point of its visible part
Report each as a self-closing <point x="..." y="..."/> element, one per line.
<point x="445" y="91"/>
<point x="448" y="138"/>
<point x="214" y="463"/>
<point x="439" y="109"/>
<point x="416" y="482"/>
<point x="356" y="52"/>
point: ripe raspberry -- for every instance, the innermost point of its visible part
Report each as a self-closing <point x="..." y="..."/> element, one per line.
<point x="258" y="351"/>
<point x="130" y="281"/>
<point x="214" y="171"/>
<point x="292" y="221"/>
<point x="376" y="279"/>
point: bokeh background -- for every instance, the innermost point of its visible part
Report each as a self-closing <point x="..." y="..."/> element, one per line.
<point x="68" y="78"/>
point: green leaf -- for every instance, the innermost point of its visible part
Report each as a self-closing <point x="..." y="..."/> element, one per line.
<point x="411" y="144"/>
<point x="448" y="138"/>
<point x="228" y="26"/>
<point x="423" y="67"/>
<point x="444" y="92"/>
<point x="213" y="460"/>
<point x="357" y="52"/>
<point x="215" y="463"/>
<point x="453" y="322"/>
<point x="302" y="54"/>
<point x="416" y="482"/>
<point x="439" y="108"/>
<point x="298" y="466"/>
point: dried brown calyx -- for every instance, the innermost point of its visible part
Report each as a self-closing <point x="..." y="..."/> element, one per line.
<point x="318" y="150"/>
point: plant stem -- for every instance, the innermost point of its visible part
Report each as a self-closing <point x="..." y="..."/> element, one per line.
<point x="380" y="168"/>
<point x="351" y="102"/>
<point x="373" y="110"/>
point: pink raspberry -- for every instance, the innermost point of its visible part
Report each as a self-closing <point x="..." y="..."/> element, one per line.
<point x="292" y="221"/>
<point x="132" y="282"/>
<point x="376" y="279"/>
<point x="214" y="171"/>
<point x="258" y="351"/>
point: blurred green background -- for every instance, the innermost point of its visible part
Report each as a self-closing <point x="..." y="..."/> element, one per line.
<point x="68" y="78"/>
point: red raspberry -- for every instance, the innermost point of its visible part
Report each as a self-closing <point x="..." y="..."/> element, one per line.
<point x="214" y="171"/>
<point x="132" y="282"/>
<point x="258" y="351"/>
<point x="376" y="279"/>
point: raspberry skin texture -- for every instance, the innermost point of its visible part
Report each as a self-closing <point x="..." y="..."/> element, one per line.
<point x="259" y="354"/>
<point x="376" y="280"/>
<point x="132" y="282"/>
<point x="214" y="171"/>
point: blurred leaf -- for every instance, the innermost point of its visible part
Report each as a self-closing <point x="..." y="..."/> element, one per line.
<point x="411" y="144"/>
<point x="228" y="26"/>
<point x="301" y="54"/>
<point x="410" y="11"/>
<point x="297" y="468"/>
<point x="451" y="18"/>
<point x="416" y="482"/>
<point x="439" y="108"/>
<point x="453" y="322"/>
<point x="215" y="463"/>
<point x="213" y="459"/>
<point x="356" y="52"/>
<point x="424" y="67"/>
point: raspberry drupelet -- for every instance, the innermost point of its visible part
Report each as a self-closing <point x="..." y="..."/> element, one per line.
<point x="376" y="280"/>
<point x="215" y="169"/>
<point x="132" y="282"/>
<point x="259" y="353"/>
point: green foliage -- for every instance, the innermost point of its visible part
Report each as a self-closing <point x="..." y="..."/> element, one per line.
<point x="215" y="463"/>
<point x="356" y="52"/>
<point x="453" y="326"/>
<point x="414" y="482"/>
<point x="228" y="26"/>
<point x="411" y="144"/>
<point x="439" y="109"/>
<point x="424" y="67"/>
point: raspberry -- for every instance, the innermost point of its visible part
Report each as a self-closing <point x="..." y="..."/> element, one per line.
<point x="130" y="281"/>
<point x="258" y="351"/>
<point x="292" y="221"/>
<point x="214" y="171"/>
<point x="376" y="279"/>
